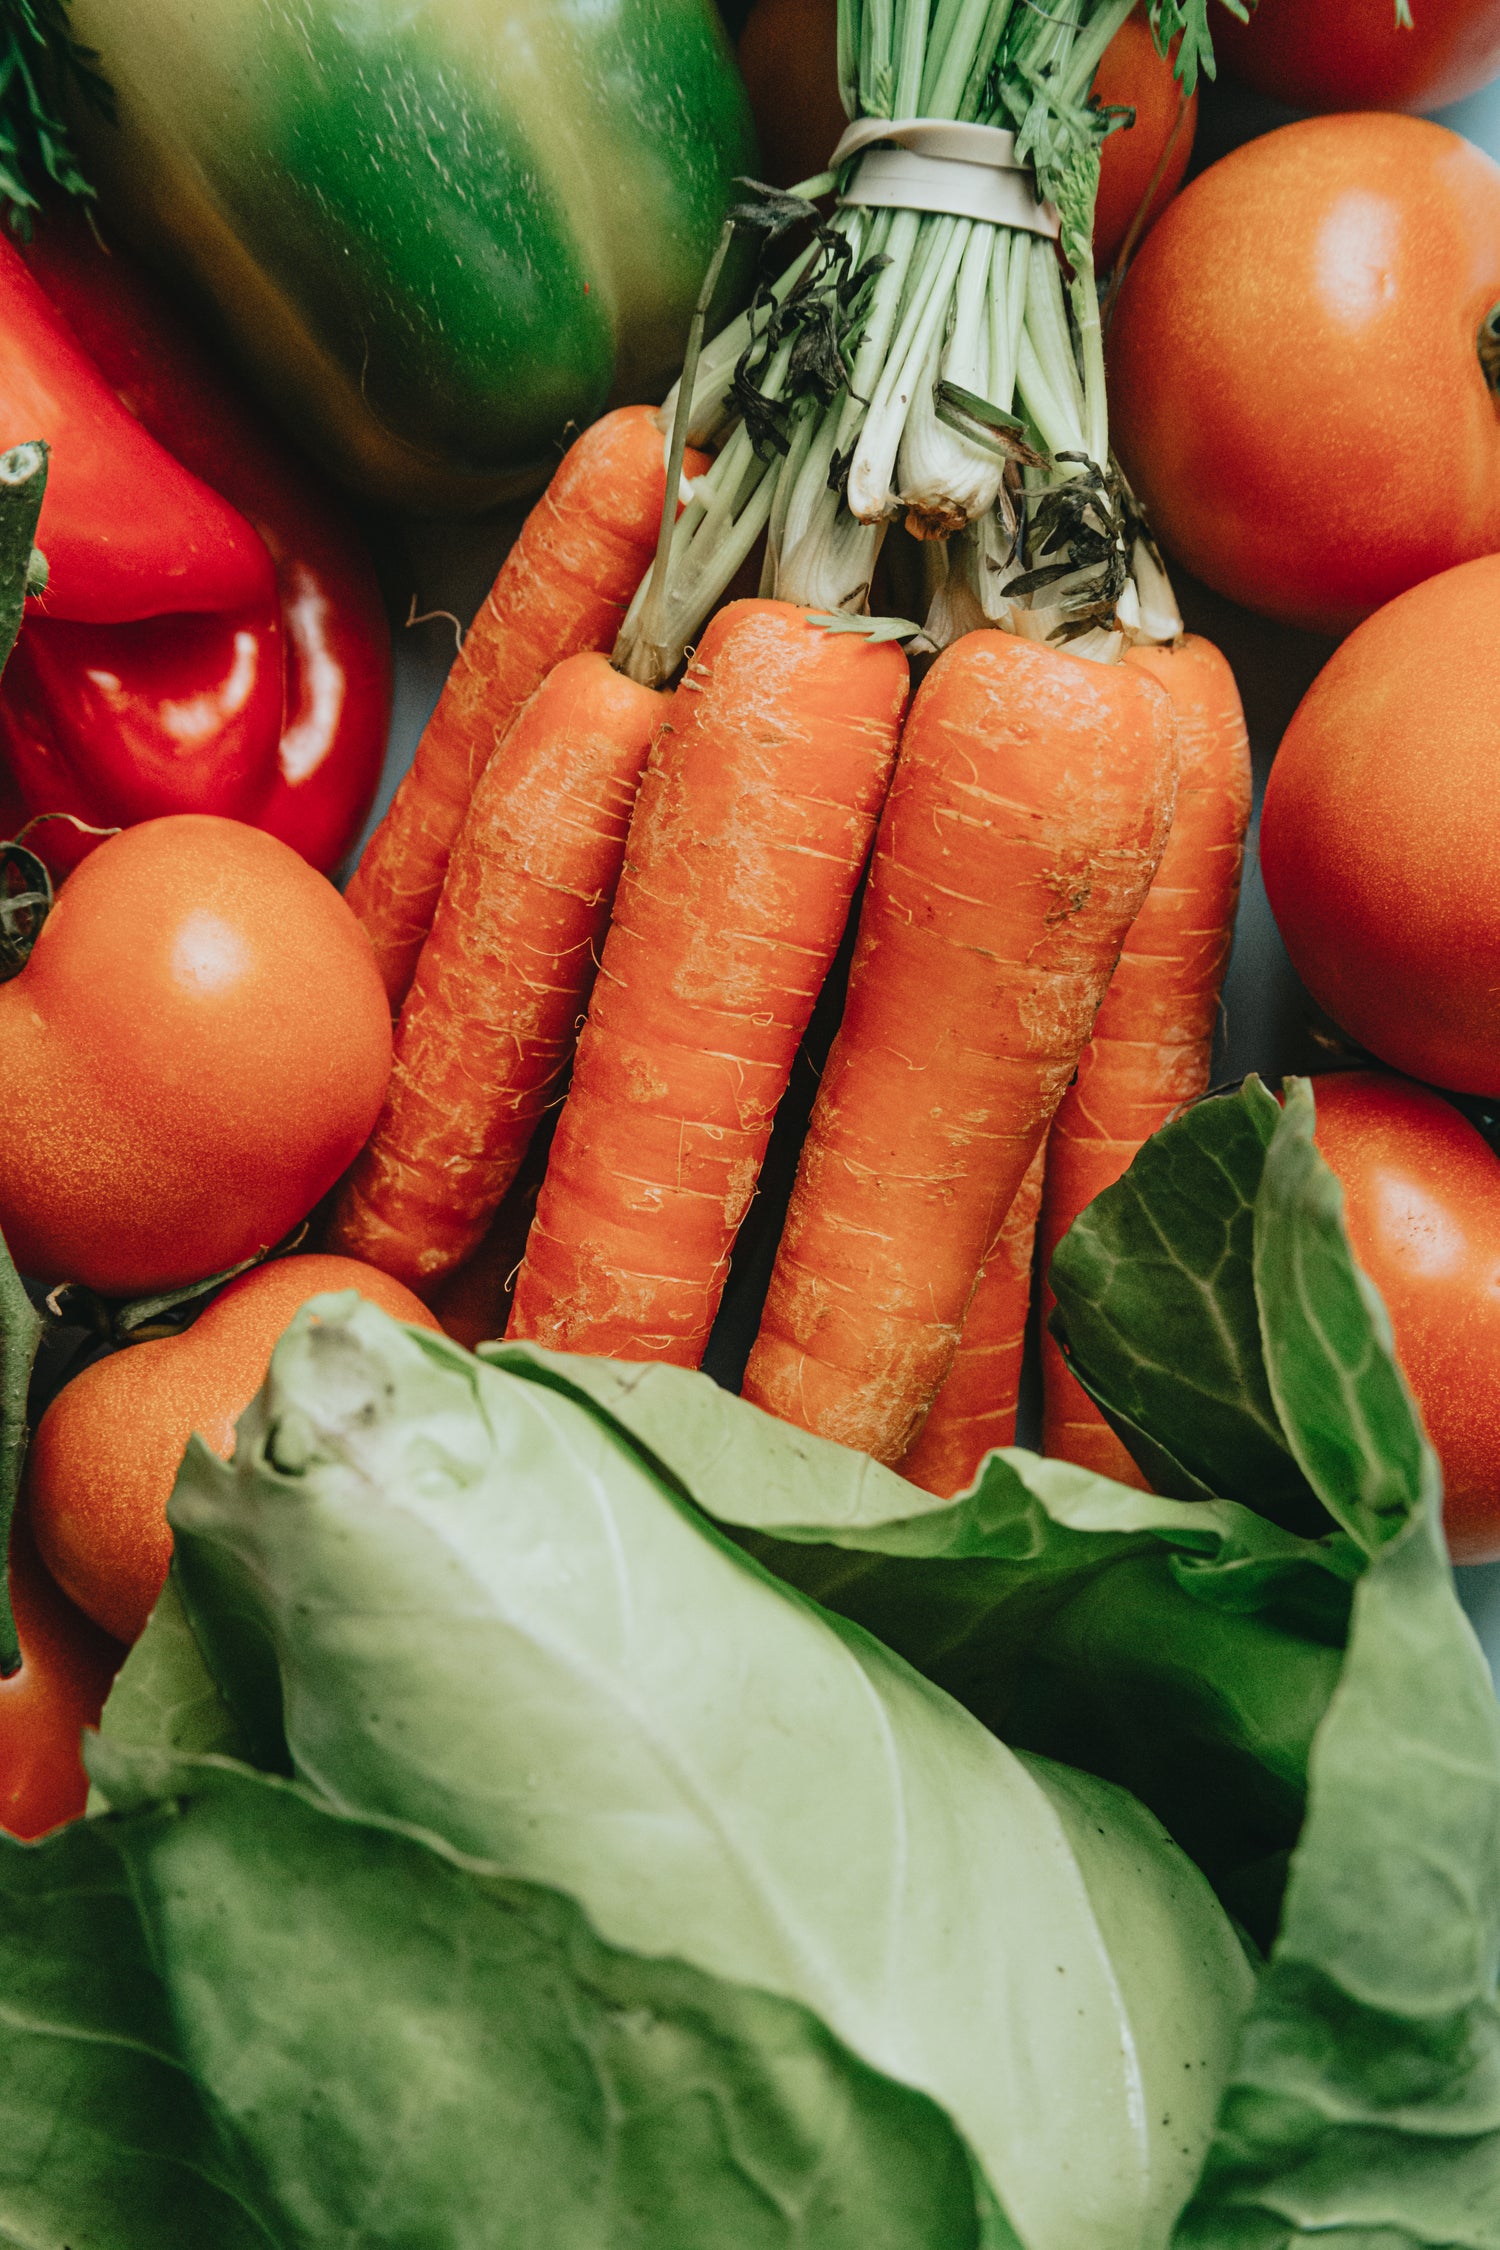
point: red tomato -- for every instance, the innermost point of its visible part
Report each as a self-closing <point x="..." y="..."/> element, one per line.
<point x="66" y="1669"/>
<point x="1352" y="54"/>
<point x="1422" y="1205"/>
<point x="1296" y="388"/>
<point x="1380" y="855"/>
<point x="106" y="1453"/>
<point x="1132" y="75"/>
<point x="196" y="1049"/>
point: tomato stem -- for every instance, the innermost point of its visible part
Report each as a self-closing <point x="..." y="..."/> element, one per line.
<point x="25" y="903"/>
<point x="1489" y="348"/>
<point x="20" y="1334"/>
<point x="23" y="480"/>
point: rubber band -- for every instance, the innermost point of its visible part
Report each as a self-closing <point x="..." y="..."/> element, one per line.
<point x="939" y="164"/>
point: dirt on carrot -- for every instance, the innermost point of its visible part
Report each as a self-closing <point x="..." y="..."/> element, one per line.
<point x="753" y="822"/>
<point x="492" y="1017"/>
<point x="1152" y="1044"/>
<point x="1030" y="806"/>
<point x="563" y="588"/>
<point x="975" y="1410"/>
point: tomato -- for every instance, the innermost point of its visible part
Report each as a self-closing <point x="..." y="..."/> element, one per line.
<point x="1132" y="75"/>
<point x="107" y="1450"/>
<point x="1296" y="388"/>
<point x="1422" y="1205"/>
<point x="66" y="1669"/>
<point x="1352" y="54"/>
<point x="196" y="1049"/>
<point x="1381" y="860"/>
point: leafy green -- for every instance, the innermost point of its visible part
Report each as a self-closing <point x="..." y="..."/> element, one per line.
<point x="1330" y="1361"/>
<point x="1365" y="2103"/>
<point x="1157" y="1313"/>
<point x="474" y="1605"/>
<point x="1186" y="1650"/>
<point x="164" y="1697"/>
<point x="38" y="56"/>
<point x="259" y="2022"/>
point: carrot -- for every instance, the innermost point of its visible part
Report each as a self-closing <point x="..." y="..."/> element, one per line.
<point x="753" y="821"/>
<point x="489" y="1024"/>
<point x="1029" y="809"/>
<point x="976" y="1408"/>
<point x="564" y="587"/>
<point x="1152" y="1043"/>
<point x="473" y="1302"/>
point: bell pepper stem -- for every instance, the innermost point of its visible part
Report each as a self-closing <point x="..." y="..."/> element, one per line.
<point x="23" y="479"/>
<point x="20" y="1334"/>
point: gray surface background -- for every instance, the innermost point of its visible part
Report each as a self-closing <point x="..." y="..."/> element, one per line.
<point x="437" y="574"/>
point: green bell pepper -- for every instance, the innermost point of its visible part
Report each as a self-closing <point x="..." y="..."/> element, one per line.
<point x="436" y="231"/>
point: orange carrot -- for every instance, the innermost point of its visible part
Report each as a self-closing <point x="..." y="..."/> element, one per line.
<point x="976" y="1408"/>
<point x="564" y="587"/>
<point x="1030" y="805"/>
<point x="473" y="1302"/>
<point x="753" y="821"/>
<point x="489" y="1024"/>
<point x="1152" y="1042"/>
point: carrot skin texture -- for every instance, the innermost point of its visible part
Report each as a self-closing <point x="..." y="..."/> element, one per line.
<point x="976" y="1408"/>
<point x="1153" y="1041"/>
<point x="563" y="588"/>
<point x="752" y="824"/>
<point x="1030" y="805"/>
<point x="489" y="1024"/>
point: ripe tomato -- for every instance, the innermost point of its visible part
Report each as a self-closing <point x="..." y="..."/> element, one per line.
<point x="1296" y="388"/>
<point x="1132" y="75"/>
<point x="1352" y="54"/>
<point x="196" y="1049"/>
<point x="66" y="1669"/>
<point x="1422" y="1205"/>
<point x="1381" y="861"/>
<point x="107" y="1450"/>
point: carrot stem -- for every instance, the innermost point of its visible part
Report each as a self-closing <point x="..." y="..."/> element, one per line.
<point x="646" y="660"/>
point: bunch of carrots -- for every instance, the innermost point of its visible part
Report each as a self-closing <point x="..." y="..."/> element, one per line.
<point x="582" y="874"/>
<point x="605" y="910"/>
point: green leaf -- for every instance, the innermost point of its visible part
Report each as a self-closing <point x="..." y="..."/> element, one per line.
<point x="20" y="1336"/>
<point x="868" y="628"/>
<point x="1330" y="1362"/>
<point x="488" y="1615"/>
<point x="235" y="2017"/>
<point x="1156" y="1311"/>
<point x="164" y="1697"/>
<point x="1365" y="2103"/>
<point x="38" y="58"/>
<point x="1185" y="1650"/>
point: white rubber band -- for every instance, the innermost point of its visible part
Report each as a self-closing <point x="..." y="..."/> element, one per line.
<point x="938" y="164"/>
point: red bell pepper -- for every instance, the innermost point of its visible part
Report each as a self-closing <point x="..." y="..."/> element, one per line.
<point x="211" y="637"/>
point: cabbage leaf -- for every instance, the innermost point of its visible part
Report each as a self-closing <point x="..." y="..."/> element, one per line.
<point x="463" y="1600"/>
<point x="234" y="2017"/>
